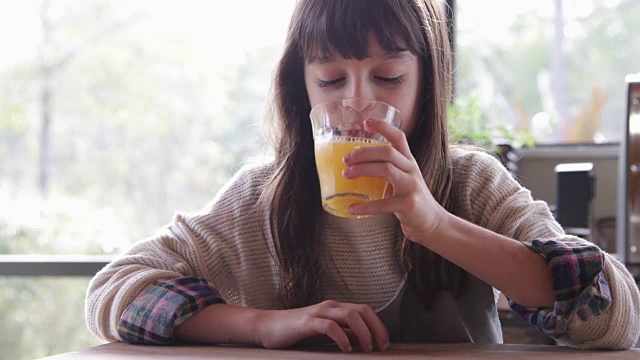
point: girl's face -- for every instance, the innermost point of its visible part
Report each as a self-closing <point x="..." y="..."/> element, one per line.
<point x="395" y="79"/>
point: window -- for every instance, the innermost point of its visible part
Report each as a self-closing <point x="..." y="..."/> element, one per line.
<point x="114" y="114"/>
<point x="42" y="317"/>
<point x="554" y="68"/>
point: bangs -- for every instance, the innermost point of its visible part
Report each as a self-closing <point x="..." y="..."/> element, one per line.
<point x="329" y="28"/>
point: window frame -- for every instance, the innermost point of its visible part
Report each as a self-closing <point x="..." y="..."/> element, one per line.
<point x="52" y="265"/>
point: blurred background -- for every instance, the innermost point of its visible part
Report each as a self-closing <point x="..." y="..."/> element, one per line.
<point x="113" y="115"/>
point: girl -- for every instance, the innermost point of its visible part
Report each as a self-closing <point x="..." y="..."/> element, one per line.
<point x="264" y="264"/>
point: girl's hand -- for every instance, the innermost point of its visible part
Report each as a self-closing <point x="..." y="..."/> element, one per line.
<point x="343" y="323"/>
<point x="407" y="195"/>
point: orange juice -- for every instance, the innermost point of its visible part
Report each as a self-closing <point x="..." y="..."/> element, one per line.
<point x="339" y="193"/>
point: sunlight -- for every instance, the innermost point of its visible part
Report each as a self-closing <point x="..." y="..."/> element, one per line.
<point x="226" y="29"/>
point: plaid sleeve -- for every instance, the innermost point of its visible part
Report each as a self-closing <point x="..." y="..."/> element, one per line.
<point x="163" y="305"/>
<point x="579" y="286"/>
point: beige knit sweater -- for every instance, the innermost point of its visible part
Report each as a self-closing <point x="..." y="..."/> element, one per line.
<point x="224" y="243"/>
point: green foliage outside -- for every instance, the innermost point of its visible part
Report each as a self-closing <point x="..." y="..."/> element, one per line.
<point x="509" y="71"/>
<point x="467" y="124"/>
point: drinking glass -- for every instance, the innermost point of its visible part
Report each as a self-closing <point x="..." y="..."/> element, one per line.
<point x="338" y="129"/>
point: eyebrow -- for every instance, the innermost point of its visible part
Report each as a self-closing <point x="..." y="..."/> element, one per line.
<point x="402" y="55"/>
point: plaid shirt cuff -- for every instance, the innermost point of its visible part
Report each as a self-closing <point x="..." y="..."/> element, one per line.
<point x="163" y="305"/>
<point x="579" y="286"/>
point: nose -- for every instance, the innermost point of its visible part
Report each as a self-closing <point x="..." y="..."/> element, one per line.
<point x="357" y="93"/>
<point x="358" y="104"/>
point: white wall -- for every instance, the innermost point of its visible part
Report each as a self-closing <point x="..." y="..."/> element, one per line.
<point x="536" y="172"/>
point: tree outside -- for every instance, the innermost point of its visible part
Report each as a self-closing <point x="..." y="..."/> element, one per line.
<point x="555" y="67"/>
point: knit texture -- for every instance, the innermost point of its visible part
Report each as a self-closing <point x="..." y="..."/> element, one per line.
<point x="227" y="244"/>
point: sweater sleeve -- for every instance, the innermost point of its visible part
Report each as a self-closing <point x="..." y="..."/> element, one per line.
<point x="168" y="255"/>
<point x="209" y="244"/>
<point x="579" y="286"/>
<point x="488" y="195"/>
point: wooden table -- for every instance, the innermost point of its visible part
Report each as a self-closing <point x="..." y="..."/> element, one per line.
<point x="396" y="351"/>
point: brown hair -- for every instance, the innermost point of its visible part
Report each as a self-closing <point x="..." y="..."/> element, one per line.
<point x="321" y="28"/>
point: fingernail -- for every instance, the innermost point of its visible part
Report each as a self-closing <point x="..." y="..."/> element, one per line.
<point x="346" y="172"/>
<point x="368" y="122"/>
<point x="349" y="349"/>
<point x="385" y="346"/>
<point x="346" y="158"/>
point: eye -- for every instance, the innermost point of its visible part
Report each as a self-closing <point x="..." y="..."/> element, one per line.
<point x="327" y="83"/>
<point x="390" y="80"/>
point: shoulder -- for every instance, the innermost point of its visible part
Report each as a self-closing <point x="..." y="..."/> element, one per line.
<point x="250" y="179"/>
<point x="472" y="158"/>
<point x="477" y="167"/>
<point x="479" y="179"/>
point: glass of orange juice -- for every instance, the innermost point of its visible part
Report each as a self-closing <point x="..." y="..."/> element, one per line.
<point x="338" y="129"/>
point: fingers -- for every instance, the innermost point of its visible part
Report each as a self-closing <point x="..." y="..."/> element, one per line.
<point x="395" y="136"/>
<point x="353" y="320"/>
<point x="353" y="338"/>
<point x="402" y="186"/>
<point x="393" y="163"/>
<point x="378" y="330"/>
<point x="384" y="170"/>
<point x="362" y="321"/>
<point x="378" y="207"/>
<point x="346" y="324"/>
<point x="333" y="331"/>
<point x="377" y="154"/>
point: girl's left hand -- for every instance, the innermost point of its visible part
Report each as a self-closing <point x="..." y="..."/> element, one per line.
<point x="408" y="196"/>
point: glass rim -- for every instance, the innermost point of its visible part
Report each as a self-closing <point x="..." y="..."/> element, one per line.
<point x="324" y="104"/>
